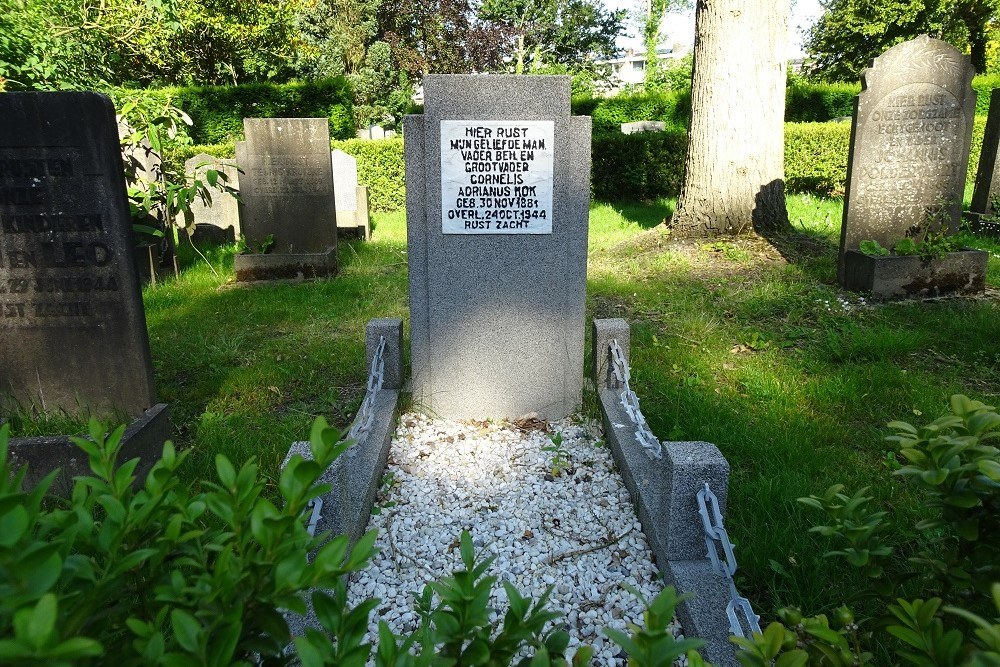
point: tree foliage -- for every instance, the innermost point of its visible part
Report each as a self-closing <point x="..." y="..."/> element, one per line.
<point x="440" y="36"/>
<point x="851" y="33"/>
<point x="573" y="33"/>
<point x="52" y="44"/>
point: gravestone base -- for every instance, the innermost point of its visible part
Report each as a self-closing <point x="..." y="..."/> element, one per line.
<point x="912" y="277"/>
<point x="281" y="266"/>
<point x="143" y="439"/>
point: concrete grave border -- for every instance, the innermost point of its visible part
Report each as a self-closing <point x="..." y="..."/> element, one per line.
<point x="357" y="473"/>
<point x="664" y="494"/>
<point x="143" y="439"/>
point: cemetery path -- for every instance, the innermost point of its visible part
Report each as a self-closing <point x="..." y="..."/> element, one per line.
<point x="558" y="518"/>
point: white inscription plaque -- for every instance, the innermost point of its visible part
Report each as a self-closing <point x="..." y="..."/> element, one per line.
<point x="496" y="176"/>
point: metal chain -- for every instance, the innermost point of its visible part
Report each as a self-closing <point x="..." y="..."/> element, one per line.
<point x="716" y="540"/>
<point x="366" y="413"/>
<point x="317" y="508"/>
<point x="630" y="402"/>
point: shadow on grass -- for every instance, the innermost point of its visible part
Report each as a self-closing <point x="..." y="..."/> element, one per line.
<point x="246" y="368"/>
<point x="795" y="389"/>
<point x="646" y="215"/>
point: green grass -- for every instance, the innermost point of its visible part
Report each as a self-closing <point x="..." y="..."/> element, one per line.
<point x="743" y="343"/>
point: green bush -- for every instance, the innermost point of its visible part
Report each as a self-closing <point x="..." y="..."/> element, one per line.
<point x="642" y="166"/>
<point x="819" y="102"/>
<point x="164" y="575"/>
<point x="161" y="574"/>
<point x="609" y="113"/>
<point x="816" y="157"/>
<point x="954" y="463"/>
<point x="218" y="111"/>
<point x="984" y="86"/>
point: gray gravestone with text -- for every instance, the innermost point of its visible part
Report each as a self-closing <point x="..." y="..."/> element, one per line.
<point x="910" y="144"/>
<point x="497" y="202"/>
<point x="287" y="184"/>
<point x="72" y="325"/>
<point x="223" y="213"/>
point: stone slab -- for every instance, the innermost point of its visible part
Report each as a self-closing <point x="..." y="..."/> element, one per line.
<point x="281" y="266"/>
<point x="357" y="474"/>
<point x="497" y="320"/>
<point x="664" y="494"/>
<point x="987" y="174"/>
<point x="143" y="439"/>
<point x="73" y="329"/>
<point x="286" y="186"/>
<point x="223" y="212"/>
<point x="911" y="277"/>
<point x="345" y="180"/>
<point x="392" y="355"/>
<point x="910" y="144"/>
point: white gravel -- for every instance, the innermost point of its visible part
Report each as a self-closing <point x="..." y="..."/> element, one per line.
<point x="495" y="481"/>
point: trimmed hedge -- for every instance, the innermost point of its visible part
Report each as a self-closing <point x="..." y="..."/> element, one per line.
<point x="816" y="157"/>
<point x="608" y="114"/>
<point x="641" y="166"/>
<point x="804" y="103"/>
<point x="218" y="111"/>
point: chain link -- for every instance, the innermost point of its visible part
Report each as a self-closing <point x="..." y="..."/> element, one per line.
<point x="716" y="540"/>
<point x="630" y="402"/>
<point x="317" y="508"/>
<point x="366" y="413"/>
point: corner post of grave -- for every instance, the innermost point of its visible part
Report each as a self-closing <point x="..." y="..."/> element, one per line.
<point x="392" y="329"/>
<point x="602" y="333"/>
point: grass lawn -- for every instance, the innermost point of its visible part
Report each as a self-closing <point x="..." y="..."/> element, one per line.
<point x="743" y="343"/>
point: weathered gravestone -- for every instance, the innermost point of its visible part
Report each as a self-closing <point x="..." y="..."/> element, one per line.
<point x="352" y="199"/>
<point x="497" y="176"/>
<point x="221" y="218"/>
<point x="72" y="326"/>
<point x="287" y="205"/>
<point x="909" y="145"/>
<point x="988" y="175"/>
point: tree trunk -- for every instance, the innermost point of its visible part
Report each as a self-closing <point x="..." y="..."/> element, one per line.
<point x="734" y="175"/>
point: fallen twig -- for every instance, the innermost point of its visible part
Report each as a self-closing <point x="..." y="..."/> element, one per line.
<point x="579" y="552"/>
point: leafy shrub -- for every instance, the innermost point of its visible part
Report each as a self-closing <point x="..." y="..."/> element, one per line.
<point x="159" y="573"/>
<point x="162" y="575"/>
<point x="608" y="114"/>
<point x="819" y="102"/>
<point x="954" y="463"/>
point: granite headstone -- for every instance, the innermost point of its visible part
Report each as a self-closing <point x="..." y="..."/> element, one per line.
<point x="222" y="214"/>
<point x="352" y="199"/>
<point x="72" y="324"/>
<point x="910" y="145"/>
<point x="498" y="188"/>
